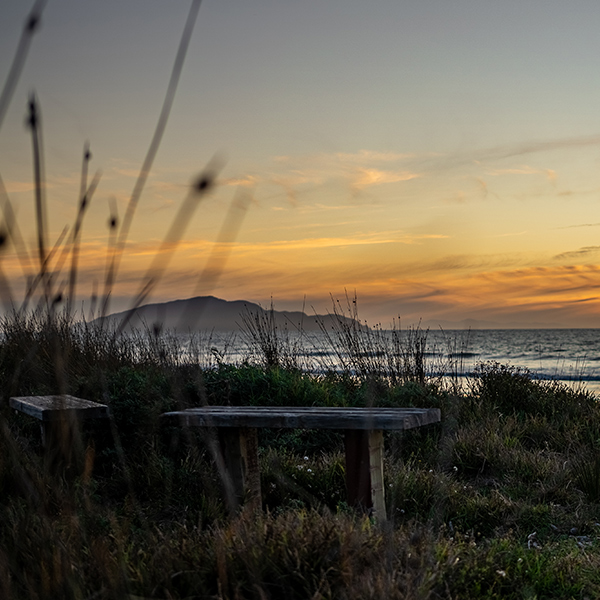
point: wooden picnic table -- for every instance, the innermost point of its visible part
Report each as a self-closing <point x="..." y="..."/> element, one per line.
<point x="60" y="418"/>
<point x="363" y="440"/>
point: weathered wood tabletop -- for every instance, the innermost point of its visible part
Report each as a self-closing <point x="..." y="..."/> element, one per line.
<point x="54" y="408"/>
<point x="311" y="417"/>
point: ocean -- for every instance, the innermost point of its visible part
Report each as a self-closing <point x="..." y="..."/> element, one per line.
<point x="568" y="355"/>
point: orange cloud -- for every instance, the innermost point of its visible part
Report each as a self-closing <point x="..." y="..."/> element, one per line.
<point x="444" y="290"/>
<point x="369" y="177"/>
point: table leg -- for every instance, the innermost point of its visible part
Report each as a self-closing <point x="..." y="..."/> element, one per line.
<point x="249" y="440"/>
<point x="364" y="470"/>
<point x="239" y="446"/>
<point x="62" y="446"/>
<point x="376" y="469"/>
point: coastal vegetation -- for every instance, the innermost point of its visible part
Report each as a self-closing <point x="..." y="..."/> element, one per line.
<point x="499" y="500"/>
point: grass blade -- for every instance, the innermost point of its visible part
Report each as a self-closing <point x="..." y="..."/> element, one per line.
<point x="220" y="253"/>
<point x="151" y="154"/>
<point x="182" y="219"/>
<point x="40" y="202"/>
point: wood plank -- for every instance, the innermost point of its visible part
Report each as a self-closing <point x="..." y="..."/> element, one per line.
<point x="53" y="408"/>
<point x="307" y="417"/>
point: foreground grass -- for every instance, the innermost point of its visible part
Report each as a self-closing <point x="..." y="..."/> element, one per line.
<point x="501" y="500"/>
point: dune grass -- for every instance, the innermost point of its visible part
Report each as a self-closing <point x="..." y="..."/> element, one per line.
<point x="499" y="500"/>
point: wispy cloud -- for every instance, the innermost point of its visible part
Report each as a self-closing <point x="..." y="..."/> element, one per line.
<point x="368" y="239"/>
<point x="367" y="169"/>
<point x="360" y="157"/>
<point x="484" y="155"/>
<point x="16" y="187"/>
<point x="549" y="174"/>
<point x="515" y="234"/>
<point x="368" y="177"/>
<point x="244" y="181"/>
<point x="133" y="173"/>
<point x="355" y="171"/>
<point x="578" y="254"/>
<point x="580" y="225"/>
<point x="516" y="171"/>
<point x="372" y="156"/>
<point x="457" y="198"/>
<point x="541" y="146"/>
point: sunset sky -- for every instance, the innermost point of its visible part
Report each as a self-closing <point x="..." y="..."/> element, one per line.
<point x="440" y="159"/>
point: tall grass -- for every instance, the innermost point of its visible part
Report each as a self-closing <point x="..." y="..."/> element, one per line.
<point x="348" y="346"/>
<point x="145" y="516"/>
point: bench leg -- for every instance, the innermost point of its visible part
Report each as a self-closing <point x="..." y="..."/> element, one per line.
<point x="239" y="447"/>
<point x="364" y="470"/>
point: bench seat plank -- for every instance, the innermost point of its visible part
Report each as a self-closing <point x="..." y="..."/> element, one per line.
<point x="307" y="417"/>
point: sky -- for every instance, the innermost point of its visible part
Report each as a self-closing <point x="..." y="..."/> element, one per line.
<point x="438" y="160"/>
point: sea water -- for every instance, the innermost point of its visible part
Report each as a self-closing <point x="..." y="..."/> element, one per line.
<point x="568" y="355"/>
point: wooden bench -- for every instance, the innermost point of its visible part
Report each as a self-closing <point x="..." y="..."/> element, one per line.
<point x="363" y="427"/>
<point x="60" y="420"/>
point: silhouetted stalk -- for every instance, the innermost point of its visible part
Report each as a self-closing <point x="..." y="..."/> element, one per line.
<point x="82" y="204"/>
<point x="260" y="329"/>
<point x="36" y="280"/>
<point x="93" y="300"/>
<point x="85" y="161"/>
<point x="75" y="232"/>
<point x="220" y="253"/>
<point x="5" y="291"/>
<point x="31" y="26"/>
<point x="40" y="208"/>
<point x="14" y="232"/>
<point x="111" y="251"/>
<point x="151" y="154"/>
<point x="172" y="238"/>
<point x="453" y="369"/>
<point x="85" y="199"/>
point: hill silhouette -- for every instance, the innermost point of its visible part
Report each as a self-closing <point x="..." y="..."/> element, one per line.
<point x="209" y="313"/>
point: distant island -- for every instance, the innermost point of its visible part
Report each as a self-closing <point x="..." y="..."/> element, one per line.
<point x="204" y="313"/>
